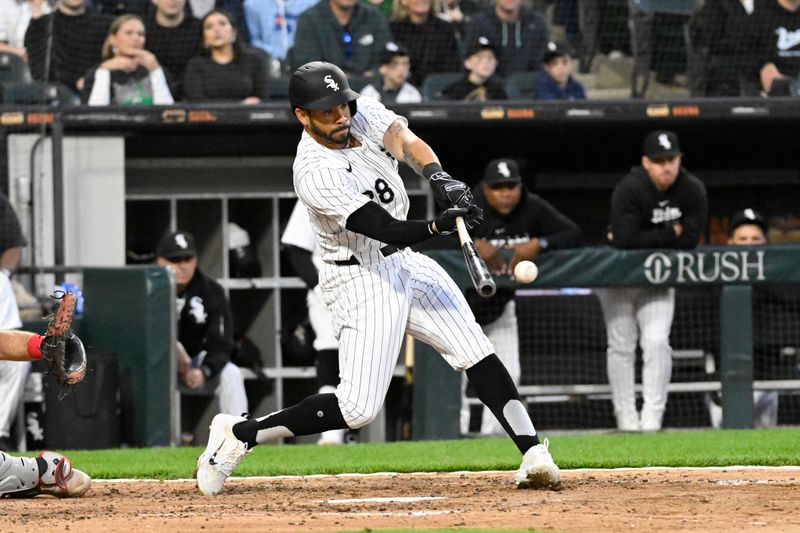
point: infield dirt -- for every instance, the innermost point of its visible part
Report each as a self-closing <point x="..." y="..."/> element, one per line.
<point x="591" y="500"/>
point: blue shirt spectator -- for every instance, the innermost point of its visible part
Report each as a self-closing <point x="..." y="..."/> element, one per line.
<point x="272" y="24"/>
<point x="547" y="88"/>
<point x="555" y="80"/>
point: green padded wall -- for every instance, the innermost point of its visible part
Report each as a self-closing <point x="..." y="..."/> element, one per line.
<point x="128" y="311"/>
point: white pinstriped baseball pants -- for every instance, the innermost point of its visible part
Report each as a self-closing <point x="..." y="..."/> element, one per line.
<point x="627" y="312"/>
<point x="375" y="305"/>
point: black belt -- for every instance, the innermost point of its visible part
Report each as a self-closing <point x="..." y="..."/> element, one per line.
<point x="386" y="251"/>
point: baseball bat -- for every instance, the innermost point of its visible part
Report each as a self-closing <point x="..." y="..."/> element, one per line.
<point x="408" y="390"/>
<point x="478" y="271"/>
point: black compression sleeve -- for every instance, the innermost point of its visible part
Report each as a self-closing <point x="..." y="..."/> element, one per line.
<point x="373" y="221"/>
<point x="300" y="260"/>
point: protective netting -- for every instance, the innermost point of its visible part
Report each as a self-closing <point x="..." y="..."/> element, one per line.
<point x="621" y="49"/>
<point x="563" y="357"/>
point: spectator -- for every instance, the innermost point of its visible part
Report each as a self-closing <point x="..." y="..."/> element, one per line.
<point x="520" y="34"/>
<point x="15" y="16"/>
<point x="272" y="26"/>
<point x="13" y="374"/>
<point x="458" y="13"/>
<point x="747" y="228"/>
<point x="344" y="32"/>
<point x="205" y="336"/>
<point x="727" y="40"/>
<point x="235" y="8"/>
<point x="129" y="74"/>
<point x="526" y="225"/>
<point x="478" y="84"/>
<point x="395" y="67"/>
<point x="777" y="27"/>
<point x="431" y="42"/>
<point x="174" y="38"/>
<point x="384" y="6"/>
<point x="225" y="70"/>
<point x="657" y="205"/>
<point x="76" y="45"/>
<point x="302" y="248"/>
<point x="555" y="81"/>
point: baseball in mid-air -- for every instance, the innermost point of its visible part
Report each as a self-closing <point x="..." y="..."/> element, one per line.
<point x="526" y="271"/>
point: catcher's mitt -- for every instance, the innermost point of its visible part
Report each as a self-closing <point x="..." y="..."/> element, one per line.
<point x="61" y="348"/>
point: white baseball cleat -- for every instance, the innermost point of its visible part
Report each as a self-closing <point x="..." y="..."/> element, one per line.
<point x="223" y="452"/>
<point x="332" y="437"/>
<point x="538" y="470"/>
<point x="60" y="479"/>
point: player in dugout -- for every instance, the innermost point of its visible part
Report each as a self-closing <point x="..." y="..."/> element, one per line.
<point x="377" y="289"/>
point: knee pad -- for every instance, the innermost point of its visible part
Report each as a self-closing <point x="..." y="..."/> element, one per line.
<point x="19" y="476"/>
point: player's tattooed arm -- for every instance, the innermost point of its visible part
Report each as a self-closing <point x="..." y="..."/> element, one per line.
<point x="405" y="146"/>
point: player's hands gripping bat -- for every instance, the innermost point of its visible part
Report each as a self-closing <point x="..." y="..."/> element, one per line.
<point x="445" y="222"/>
<point x="478" y="271"/>
<point x="61" y="348"/>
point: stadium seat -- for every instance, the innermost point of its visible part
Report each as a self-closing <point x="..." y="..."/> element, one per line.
<point x="38" y="92"/>
<point x="359" y="82"/>
<point x="521" y="85"/>
<point x="434" y="84"/>
<point x="279" y="88"/>
<point x="13" y="69"/>
<point x="640" y="78"/>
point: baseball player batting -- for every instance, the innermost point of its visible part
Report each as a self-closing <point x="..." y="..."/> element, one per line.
<point x="377" y="289"/>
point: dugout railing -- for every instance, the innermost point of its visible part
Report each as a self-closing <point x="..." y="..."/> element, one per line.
<point x="731" y="302"/>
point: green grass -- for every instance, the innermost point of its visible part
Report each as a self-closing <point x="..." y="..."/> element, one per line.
<point x="774" y="447"/>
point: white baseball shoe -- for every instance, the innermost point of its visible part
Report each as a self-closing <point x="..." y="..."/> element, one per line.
<point x="538" y="470"/>
<point x="223" y="452"/>
<point x="60" y="479"/>
<point x="332" y="437"/>
<point x="628" y="421"/>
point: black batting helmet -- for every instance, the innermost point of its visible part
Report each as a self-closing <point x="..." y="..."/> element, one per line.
<point x="318" y="86"/>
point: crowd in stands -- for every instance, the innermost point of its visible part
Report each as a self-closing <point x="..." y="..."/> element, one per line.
<point x="235" y="50"/>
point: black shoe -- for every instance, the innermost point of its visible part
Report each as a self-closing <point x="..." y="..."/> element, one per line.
<point x="351" y="436"/>
<point x="7" y="445"/>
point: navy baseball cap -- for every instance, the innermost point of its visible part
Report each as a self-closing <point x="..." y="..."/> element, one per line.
<point x="502" y="171"/>
<point x="748" y="216"/>
<point x="177" y="245"/>
<point x="555" y="49"/>
<point x="661" y="143"/>
<point x="481" y="43"/>
<point x="392" y="50"/>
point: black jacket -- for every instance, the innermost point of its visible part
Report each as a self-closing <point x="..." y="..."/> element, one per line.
<point x="205" y="324"/>
<point x="642" y="216"/>
<point x="533" y="217"/>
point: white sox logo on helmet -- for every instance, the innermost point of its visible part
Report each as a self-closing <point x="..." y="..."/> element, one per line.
<point x="331" y="83"/>
<point x="663" y="140"/>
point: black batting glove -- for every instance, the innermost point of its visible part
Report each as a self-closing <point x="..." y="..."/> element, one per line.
<point x="447" y="191"/>
<point x="445" y="222"/>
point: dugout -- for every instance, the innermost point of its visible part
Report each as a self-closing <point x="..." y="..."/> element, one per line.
<point x="126" y="175"/>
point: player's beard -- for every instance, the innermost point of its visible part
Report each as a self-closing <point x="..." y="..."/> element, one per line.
<point x="338" y="136"/>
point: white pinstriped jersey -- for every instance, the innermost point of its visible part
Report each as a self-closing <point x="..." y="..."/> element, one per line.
<point x="335" y="183"/>
<point x="298" y="232"/>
